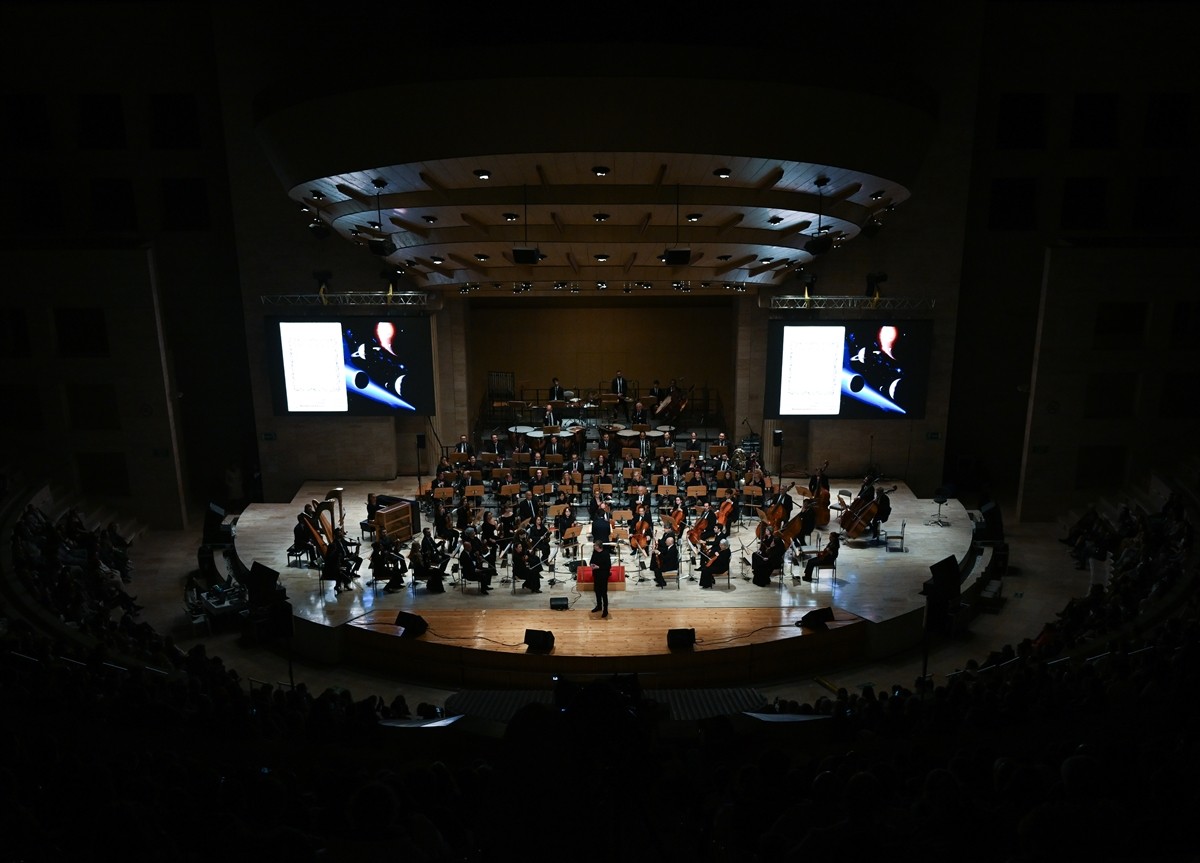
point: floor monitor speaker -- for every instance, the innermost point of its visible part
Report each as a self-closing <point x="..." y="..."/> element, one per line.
<point x="413" y="624"/>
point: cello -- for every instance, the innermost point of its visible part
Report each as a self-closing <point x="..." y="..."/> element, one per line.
<point x="772" y="516"/>
<point x="725" y="512"/>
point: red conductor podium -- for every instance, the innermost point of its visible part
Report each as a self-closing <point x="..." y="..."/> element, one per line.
<point x="583" y="578"/>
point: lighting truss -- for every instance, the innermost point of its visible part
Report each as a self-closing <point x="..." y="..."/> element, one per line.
<point x="418" y="299"/>
<point x="886" y="304"/>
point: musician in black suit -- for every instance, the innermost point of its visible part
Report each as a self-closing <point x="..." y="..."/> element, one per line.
<point x="464" y="446"/>
<point x="620" y="387"/>
<point x="665" y="559"/>
<point x="474" y="567"/>
<point x="527" y="508"/>
<point x="549" y="418"/>
<point x="714" y="564"/>
<point x="768" y="558"/>
<point x="601" y="524"/>
<point x="639" y="417"/>
<point x="657" y="391"/>
<point x="495" y="446"/>
<point x="557" y="394"/>
<point x="601" y="563"/>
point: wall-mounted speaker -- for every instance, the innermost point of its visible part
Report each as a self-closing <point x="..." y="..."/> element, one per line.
<point x="681" y="639"/>
<point x="677" y="257"/>
<point x="541" y="640"/>
<point x="414" y="625"/>
<point x="817" y="618"/>
<point x="526" y="256"/>
<point x="777" y="437"/>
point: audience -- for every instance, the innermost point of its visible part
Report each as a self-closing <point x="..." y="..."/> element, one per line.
<point x="1074" y="743"/>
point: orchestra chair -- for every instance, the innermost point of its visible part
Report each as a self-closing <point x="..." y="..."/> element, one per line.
<point x="671" y="575"/>
<point x="298" y="553"/>
<point x="830" y="567"/>
<point x="893" y="541"/>
<point x="366" y="529"/>
<point x="844" y="497"/>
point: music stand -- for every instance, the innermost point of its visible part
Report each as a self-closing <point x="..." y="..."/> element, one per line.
<point x="641" y="427"/>
<point x="628" y="452"/>
<point x="697" y="491"/>
<point x="718" y="450"/>
<point x="443" y="493"/>
<point x="689" y="454"/>
<point x="618" y="534"/>
<point x="555" y="510"/>
<point x="554" y="458"/>
<point x="474" y="493"/>
<point x="664" y="452"/>
<point x="487" y="458"/>
<point x="456" y="457"/>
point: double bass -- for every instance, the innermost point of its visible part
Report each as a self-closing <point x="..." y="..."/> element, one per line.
<point x="858" y="516"/>
<point x="818" y="489"/>
<point x="772" y="516"/>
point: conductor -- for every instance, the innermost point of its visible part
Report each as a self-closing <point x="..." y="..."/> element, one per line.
<point x="601" y="563"/>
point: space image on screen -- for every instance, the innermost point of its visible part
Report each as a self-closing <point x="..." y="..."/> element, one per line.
<point x="365" y="366"/>
<point x="860" y="369"/>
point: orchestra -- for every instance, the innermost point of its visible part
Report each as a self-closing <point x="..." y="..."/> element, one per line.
<point x="521" y="498"/>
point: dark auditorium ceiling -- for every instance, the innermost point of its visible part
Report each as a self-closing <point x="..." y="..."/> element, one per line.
<point x="399" y="170"/>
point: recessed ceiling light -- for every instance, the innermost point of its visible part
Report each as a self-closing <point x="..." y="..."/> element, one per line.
<point x="724" y="257"/>
<point x="603" y="256"/>
<point x="694" y="217"/>
<point x="374" y="224"/>
<point x="316" y="195"/>
<point x="775" y="220"/>
<point x="437" y="259"/>
<point x="602" y="286"/>
<point x="600" y="217"/>
<point x="766" y="260"/>
<point x="511" y="217"/>
<point x="723" y="173"/>
<point x="875" y="196"/>
<point x="429" y="220"/>
<point x="628" y="289"/>
<point x="483" y="174"/>
<point x="480" y="256"/>
<point x="600" y="171"/>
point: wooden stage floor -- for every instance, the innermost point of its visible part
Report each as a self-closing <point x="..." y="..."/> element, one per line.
<point x="742" y="631"/>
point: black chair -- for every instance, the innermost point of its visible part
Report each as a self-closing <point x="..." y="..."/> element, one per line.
<point x="939" y="497"/>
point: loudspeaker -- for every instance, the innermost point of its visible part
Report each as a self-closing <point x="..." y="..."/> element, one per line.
<point x="681" y="639"/>
<point x="379" y="247"/>
<point x="777" y="437"/>
<point x="526" y="256"/>
<point x="678" y="257"/>
<point x="539" y="639"/>
<point x="558" y="603"/>
<point x="946" y="577"/>
<point x="420" y="441"/>
<point x="261" y="582"/>
<point x="413" y="625"/>
<point x="817" y="618"/>
<point x="819" y="245"/>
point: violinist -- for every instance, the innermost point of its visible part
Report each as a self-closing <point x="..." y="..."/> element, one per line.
<point x="539" y="539"/>
<point x="531" y="577"/>
<point x="665" y="559"/>
<point x="563" y="521"/>
<point x="768" y="558"/>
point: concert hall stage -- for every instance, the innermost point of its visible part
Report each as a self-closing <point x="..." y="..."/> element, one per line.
<point x="744" y="634"/>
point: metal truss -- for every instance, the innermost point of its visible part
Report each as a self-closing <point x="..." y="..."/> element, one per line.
<point x="864" y="304"/>
<point x="418" y="299"/>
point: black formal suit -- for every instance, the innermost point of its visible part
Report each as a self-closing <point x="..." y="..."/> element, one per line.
<point x="557" y="393"/>
<point x="665" y="560"/>
<point x="718" y="563"/>
<point x="601" y="563"/>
